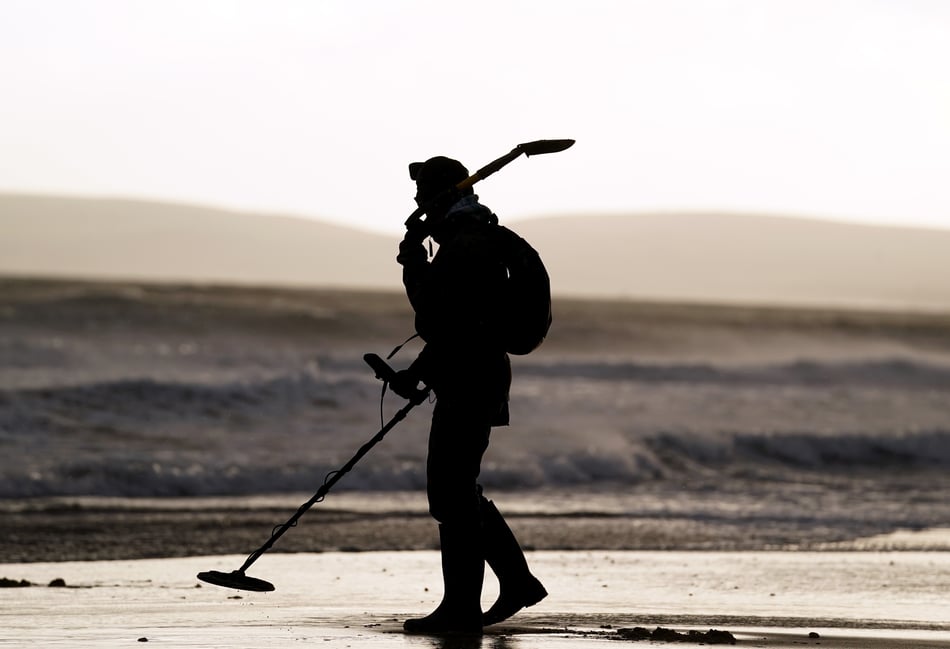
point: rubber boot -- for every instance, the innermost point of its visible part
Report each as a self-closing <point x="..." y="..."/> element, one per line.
<point x="463" y="569"/>
<point x="518" y="588"/>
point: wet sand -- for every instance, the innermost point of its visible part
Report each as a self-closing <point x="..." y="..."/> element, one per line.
<point x="765" y="599"/>
<point x="91" y="533"/>
<point x="99" y="529"/>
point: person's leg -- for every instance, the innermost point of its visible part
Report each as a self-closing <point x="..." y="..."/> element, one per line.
<point x="517" y="587"/>
<point x="457" y="442"/>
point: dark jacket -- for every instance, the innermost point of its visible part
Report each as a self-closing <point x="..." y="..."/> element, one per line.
<point x="458" y="298"/>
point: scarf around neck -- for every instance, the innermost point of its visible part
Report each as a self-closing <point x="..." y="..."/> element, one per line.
<point x="469" y="207"/>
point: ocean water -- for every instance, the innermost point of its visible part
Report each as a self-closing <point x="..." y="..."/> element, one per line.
<point x="812" y="420"/>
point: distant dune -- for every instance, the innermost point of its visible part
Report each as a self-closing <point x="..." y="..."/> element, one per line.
<point x="125" y="239"/>
<point x="745" y="259"/>
<point x="679" y="257"/>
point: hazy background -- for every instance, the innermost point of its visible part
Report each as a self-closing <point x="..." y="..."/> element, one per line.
<point x="692" y="257"/>
<point x="691" y="110"/>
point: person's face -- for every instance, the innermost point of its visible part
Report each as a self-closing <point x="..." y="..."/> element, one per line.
<point x="424" y="194"/>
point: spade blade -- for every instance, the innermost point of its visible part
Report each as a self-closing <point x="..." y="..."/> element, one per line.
<point x="539" y="147"/>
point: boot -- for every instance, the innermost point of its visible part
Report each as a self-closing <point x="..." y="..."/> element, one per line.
<point x="463" y="569"/>
<point x="518" y="588"/>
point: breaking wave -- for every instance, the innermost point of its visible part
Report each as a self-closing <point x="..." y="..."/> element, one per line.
<point x="282" y="432"/>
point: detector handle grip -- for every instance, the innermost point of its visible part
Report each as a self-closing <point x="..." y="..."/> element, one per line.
<point x="383" y="371"/>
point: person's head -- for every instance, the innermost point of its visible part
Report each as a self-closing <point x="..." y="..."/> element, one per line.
<point x="433" y="177"/>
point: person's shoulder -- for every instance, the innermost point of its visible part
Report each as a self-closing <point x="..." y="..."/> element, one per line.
<point x="484" y="235"/>
<point x="476" y="243"/>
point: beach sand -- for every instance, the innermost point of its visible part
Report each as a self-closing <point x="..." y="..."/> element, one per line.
<point x="341" y="599"/>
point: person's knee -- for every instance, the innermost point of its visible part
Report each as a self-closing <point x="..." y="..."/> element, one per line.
<point x="449" y="506"/>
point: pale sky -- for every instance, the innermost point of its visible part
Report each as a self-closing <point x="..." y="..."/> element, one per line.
<point x="818" y="108"/>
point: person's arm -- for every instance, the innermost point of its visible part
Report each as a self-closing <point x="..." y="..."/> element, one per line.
<point x="415" y="265"/>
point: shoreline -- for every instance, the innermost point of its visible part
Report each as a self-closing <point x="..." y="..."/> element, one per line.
<point x="96" y="529"/>
<point x="132" y="535"/>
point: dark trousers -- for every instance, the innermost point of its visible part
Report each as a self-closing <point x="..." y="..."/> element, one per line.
<point x="457" y="441"/>
<point x="472" y="530"/>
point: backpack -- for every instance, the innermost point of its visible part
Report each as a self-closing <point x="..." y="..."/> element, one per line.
<point x="527" y="313"/>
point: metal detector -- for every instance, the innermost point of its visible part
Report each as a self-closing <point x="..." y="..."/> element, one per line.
<point x="238" y="579"/>
<point x="538" y="147"/>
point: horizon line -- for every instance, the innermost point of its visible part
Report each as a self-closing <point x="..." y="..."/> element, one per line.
<point x="397" y="229"/>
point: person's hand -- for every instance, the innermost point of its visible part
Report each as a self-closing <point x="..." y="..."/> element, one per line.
<point x="411" y="248"/>
<point x="405" y="383"/>
<point x="416" y="231"/>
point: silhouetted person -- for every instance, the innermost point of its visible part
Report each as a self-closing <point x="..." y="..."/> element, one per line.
<point x="457" y="298"/>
